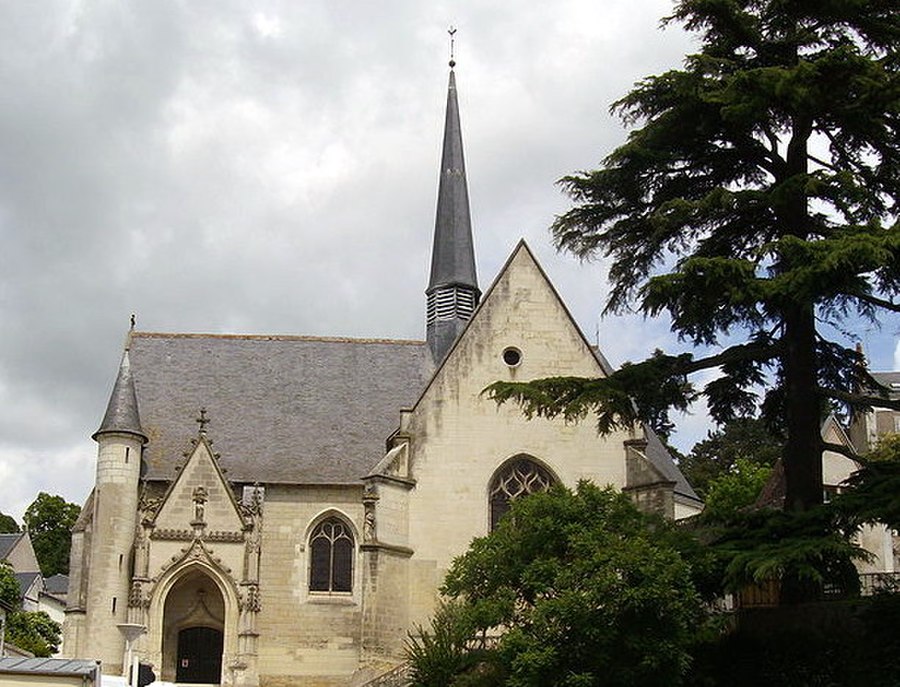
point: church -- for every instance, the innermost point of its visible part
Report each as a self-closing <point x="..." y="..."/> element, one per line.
<point x="281" y="510"/>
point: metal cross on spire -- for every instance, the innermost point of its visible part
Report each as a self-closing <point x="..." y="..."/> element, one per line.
<point x="452" y="32"/>
<point x="202" y="421"/>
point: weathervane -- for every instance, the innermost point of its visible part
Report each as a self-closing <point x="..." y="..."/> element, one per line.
<point x="452" y="32"/>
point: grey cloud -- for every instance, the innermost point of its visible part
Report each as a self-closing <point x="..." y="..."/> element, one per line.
<point x="272" y="167"/>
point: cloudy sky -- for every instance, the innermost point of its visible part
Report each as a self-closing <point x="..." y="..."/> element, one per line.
<point x="271" y="167"/>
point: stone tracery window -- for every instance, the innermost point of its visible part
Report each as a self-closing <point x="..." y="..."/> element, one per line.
<point x="331" y="557"/>
<point x="519" y="477"/>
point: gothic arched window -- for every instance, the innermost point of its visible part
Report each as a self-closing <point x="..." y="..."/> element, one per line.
<point x="331" y="557"/>
<point x="518" y="477"/>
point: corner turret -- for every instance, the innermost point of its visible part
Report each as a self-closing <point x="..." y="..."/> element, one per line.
<point x="94" y="629"/>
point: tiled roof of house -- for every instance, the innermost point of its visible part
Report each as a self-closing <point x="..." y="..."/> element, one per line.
<point x="58" y="584"/>
<point x="7" y="542"/>
<point x="26" y="581"/>
<point x="282" y="409"/>
<point x="891" y="380"/>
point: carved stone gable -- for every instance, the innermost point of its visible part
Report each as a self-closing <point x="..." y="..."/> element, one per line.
<point x="200" y="502"/>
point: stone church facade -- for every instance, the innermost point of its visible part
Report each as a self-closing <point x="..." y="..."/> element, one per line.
<point x="281" y="510"/>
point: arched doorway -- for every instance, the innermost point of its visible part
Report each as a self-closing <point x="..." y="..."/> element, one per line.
<point x="193" y="630"/>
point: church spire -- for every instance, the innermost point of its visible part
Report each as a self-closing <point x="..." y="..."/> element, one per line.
<point x="452" y="292"/>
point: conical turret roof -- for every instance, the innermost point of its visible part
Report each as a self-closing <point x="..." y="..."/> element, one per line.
<point x="122" y="412"/>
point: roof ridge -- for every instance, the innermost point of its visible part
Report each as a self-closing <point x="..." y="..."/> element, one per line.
<point x="276" y="337"/>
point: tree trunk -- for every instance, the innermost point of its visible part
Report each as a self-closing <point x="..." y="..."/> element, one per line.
<point x="802" y="451"/>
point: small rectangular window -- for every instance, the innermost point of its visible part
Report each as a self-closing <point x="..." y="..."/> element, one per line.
<point x="127" y="452"/>
<point x="114" y="605"/>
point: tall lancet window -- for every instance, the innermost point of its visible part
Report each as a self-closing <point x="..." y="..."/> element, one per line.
<point x="520" y="476"/>
<point x="331" y="557"/>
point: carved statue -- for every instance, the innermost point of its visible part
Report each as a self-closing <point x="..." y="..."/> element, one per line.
<point x="199" y="497"/>
<point x="369" y="525"/>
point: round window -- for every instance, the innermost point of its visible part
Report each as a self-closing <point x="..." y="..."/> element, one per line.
<point x="512" y="356"/>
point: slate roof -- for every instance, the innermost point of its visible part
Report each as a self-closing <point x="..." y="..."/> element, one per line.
<point x="453" y="252"/>
<point x="662" y="460"/>
<point x="49" y="666"/>
<point x="656" y="451"/>
<point x="26" y="580"/>
<point x="122" y="412"/>
<point x="58" y="585"/>
<point x="891" y="380"/>
<point x="282" y="409"/>
<point x="7" y="542"/>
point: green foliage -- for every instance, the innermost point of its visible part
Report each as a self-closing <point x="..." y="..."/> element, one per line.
<point x="803" y="552"/>
<point x="34" y="632"/>
<point x="8" y="524"/>
<point x="49" y="520"/>
<point x="653" y="385"/>
<point x="452" y="652"/>
<point x="736" y="489"/>
<point x="9" y="586"/>
<point x="757" y="195"/>
<point x="587" y="590"/>
<point x="887" y="449"/>
<point x="746" y="439"/>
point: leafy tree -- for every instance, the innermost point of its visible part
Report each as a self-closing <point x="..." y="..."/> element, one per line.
<point x="49" y="520"/>
<point x="33" y="631"/>
<point x="8" y="524"/>
<point x="9" y="586"/>
<point x="743" y="438"/>
<point x="757" y="195"/>
<point x="736" y="489"/>
<point x="587" y="589"/>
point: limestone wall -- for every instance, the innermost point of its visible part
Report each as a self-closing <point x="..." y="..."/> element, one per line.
<point x="305" y="634"/>
<point x="459" y="438"/>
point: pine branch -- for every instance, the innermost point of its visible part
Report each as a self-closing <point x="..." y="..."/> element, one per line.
<point x="823" y="163"/>
<point x="879" y="302"/>
<point x="738" y="353"/>
<point x="840" y="448"/>
<point x="860" y="400"/>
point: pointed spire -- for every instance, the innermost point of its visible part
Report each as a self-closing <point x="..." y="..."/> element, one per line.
<point x="122" y="412"/>
<point x="453" y="288"/>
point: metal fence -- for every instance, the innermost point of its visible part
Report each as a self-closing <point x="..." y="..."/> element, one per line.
<point x="766" y="594"/>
